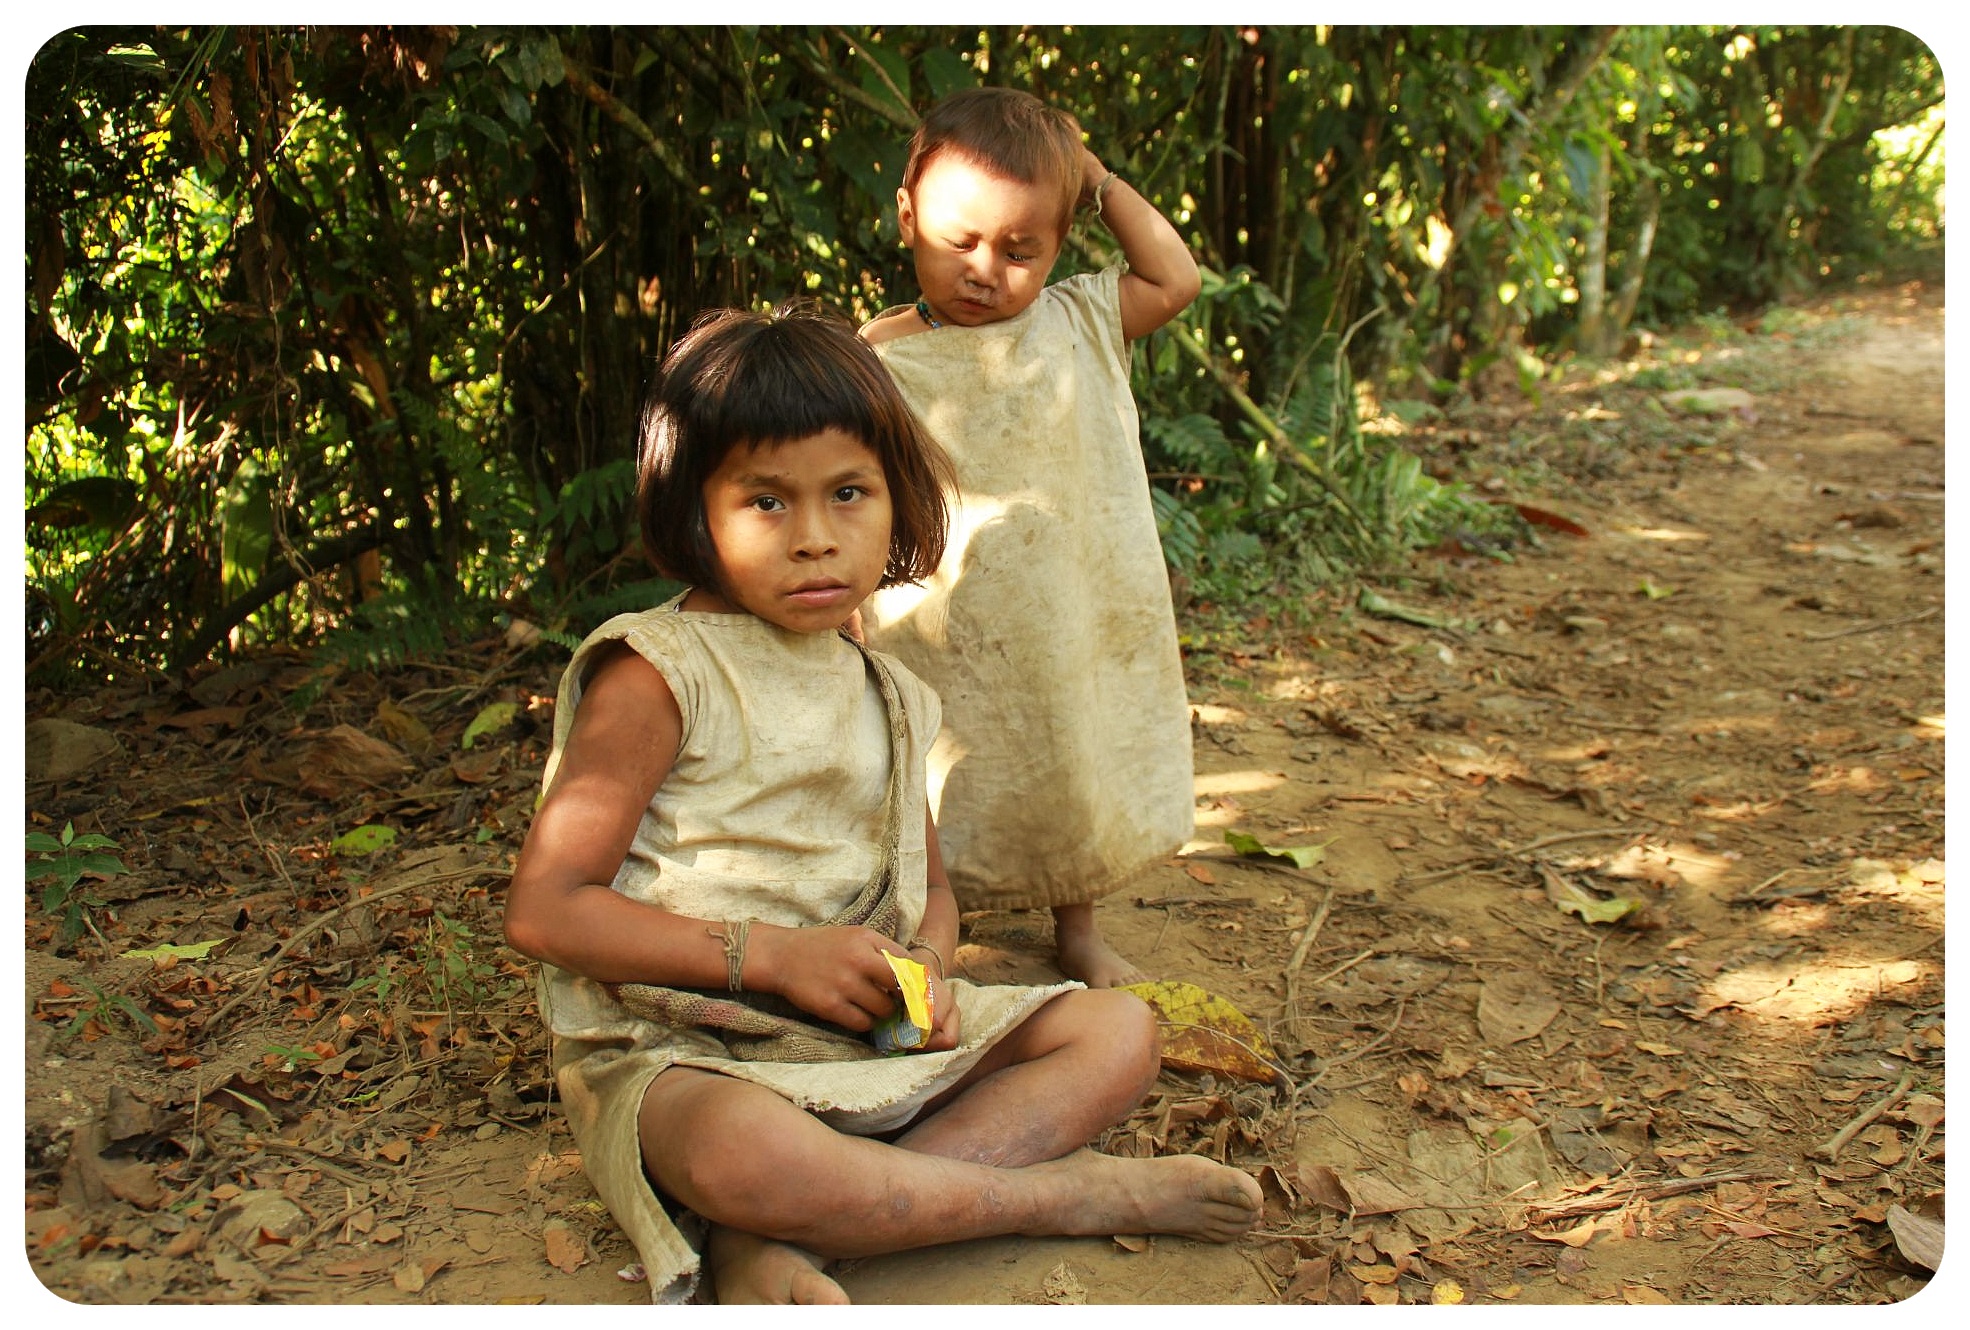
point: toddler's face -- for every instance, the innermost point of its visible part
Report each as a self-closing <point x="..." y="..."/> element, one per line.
<point x="983" y="243"/>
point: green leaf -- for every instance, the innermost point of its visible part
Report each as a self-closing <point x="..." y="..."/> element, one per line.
<point x="184" y="951"/>
<point x="40" y="842"/>
<point x="946" y="72"/>
<point x="1654" y="592"/>
<point x="1303" y="856"/>
<point x="1383" y="608"/>
<point x="1574" y="899"/>
<point x="495" y="716"/>
<point x="366" y="839"/>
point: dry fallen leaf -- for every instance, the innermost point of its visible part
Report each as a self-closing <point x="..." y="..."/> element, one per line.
<point x="1062" y="1288"/>
<point x="1446" y="1293"/>
<point x="1357" y="1193"/>
<point x="401" y="727"/>
<point x="1131" y="1242"/>
<point x="1641" y="1295"/>
<point x="1512" y="1009"/>
<point x="1310" y="1280"/>
<point x="1577" y="1236"/>
<point x="1924" y="1110"/>
<point x="566" y="1251"/>
<point x="1200" y="1031"/>
<point x="1918" y="1238"/>
<point x="346" y="759"/>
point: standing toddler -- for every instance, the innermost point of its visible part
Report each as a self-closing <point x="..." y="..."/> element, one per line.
<point x="1063" y="769"/>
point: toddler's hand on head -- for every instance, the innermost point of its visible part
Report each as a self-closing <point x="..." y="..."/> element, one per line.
<point x="1092" y="174"/>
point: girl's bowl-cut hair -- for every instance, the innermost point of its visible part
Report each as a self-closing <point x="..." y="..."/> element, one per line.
<point x="740" y="378"/>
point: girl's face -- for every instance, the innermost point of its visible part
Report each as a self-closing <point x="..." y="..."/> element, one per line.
<point x="800" y="529"/>
<point x="983" y="243"/>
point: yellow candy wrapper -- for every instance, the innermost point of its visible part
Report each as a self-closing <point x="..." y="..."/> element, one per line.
<point x="910" y="1027"/>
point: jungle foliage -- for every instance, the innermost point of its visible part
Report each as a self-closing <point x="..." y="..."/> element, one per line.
<point x="336" y="335"/>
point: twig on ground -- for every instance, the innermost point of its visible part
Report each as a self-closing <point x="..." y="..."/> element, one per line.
<point x="312" y="1159"/>
<point x="1594" y="722"/>
<point x="1858" y="629"/>
<point x="1464" y="865"/>
<point x="1362" y="1052"/>
<point x="1265" y="1274"/>
<point x="1831" y="1150"/>
<point x="271" y="857"/>
<point x="253" y="981"/>
<point x="1306" y="945"/>
<point x="1653" y="1191"/>
<point x="1343" y="967"/>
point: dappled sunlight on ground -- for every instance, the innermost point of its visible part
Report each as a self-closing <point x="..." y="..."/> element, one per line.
<point x="1215" y="783"/>
<point x="1209" y="714"/>
<point x="1661" y="533"/>
<point x="1828" y="991"/>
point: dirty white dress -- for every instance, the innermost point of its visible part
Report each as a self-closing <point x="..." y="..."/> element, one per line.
<point x="773" y="811"/>
<point x="1064" y="764"/>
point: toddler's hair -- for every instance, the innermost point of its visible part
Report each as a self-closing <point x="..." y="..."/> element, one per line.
<point x="1010" y="133"/>
<point x="740" y="378"/>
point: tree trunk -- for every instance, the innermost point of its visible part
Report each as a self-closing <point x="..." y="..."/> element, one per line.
<point x="1590" y="337"/>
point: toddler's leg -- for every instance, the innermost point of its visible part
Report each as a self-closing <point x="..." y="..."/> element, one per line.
<point x="1084" y="954"/>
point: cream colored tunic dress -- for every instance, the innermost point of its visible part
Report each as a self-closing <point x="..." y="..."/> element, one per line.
<point x="1064" y="767"/>
<point x="772" y="811"/>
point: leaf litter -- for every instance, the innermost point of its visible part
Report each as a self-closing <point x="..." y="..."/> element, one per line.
<point x="1706" y="1068"/>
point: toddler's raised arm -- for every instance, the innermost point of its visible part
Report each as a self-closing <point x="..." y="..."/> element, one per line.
<point x="1162" y="277"/>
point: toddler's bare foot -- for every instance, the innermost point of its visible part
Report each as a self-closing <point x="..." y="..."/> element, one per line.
<point x="1182" y="1194"/>
<point x="746" y="1269"/>
<point x="1083" y="953"/>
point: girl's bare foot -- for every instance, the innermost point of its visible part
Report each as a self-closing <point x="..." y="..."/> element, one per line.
<point x="1186" y="1195"/>
<point x="745" y="1269"/>
<point x="1083" y="953"/>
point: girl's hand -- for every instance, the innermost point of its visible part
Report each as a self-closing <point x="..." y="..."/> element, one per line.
<point x="945" y="1028"/>
<point x="838" y="974"/>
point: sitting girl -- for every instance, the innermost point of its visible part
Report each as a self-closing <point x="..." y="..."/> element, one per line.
<point x="734" y="840"/>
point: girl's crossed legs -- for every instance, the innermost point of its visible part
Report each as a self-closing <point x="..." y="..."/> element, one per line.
<point x="998" y="1153"/>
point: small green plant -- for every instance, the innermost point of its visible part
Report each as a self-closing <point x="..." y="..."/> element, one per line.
<point x="384" y="982"/>
<point x="103" y="1010"/>
<point x="292" y="1057"/>
<point x="458" y="976"/>
<point x="65" y="862"/>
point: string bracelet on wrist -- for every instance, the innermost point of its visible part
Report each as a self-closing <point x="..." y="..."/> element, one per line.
<point x="1102" y="188"/>
<point x="920" y="942"/>
<point x="733" y="934"/>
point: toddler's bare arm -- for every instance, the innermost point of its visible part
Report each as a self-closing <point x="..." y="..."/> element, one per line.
<point x="1162" y="277"/>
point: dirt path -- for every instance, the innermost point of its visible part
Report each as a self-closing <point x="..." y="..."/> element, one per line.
<point x="1721" y="710"/>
